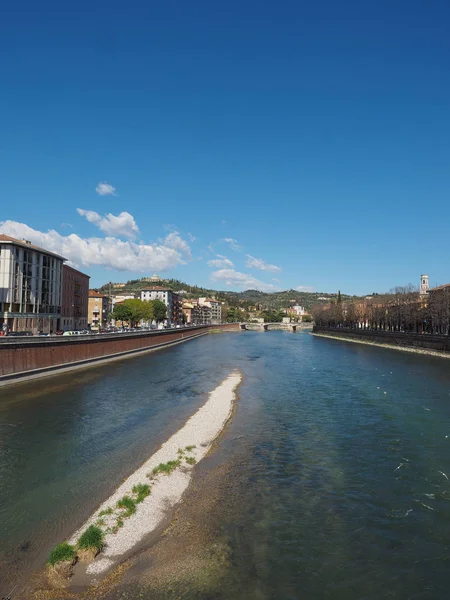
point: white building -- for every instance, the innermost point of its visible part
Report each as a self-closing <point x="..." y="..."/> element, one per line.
<point x="424" y="286"/>
<point x="300" y="310"/>
<point x="170" y="299"/>
<point x="30" y="287"/>
<point x="216" y="309"/>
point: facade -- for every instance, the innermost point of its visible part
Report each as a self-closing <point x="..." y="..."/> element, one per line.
<point x="201" y="314"/>
<point x="30" y="287"/>
<point x="99" y="309"/>
<point x="216" y="309"/>
<point x="424" y="286"/>
<point x="188" y="308"/>
<point x="75" y="300"/>
<point x="172" y="301"/>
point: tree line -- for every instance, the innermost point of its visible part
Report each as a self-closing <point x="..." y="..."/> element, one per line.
<point x="134" y="311"/>
<point x="400" y="310"/>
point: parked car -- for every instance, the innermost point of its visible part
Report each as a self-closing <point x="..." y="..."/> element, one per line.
<point x="20" y="333"/>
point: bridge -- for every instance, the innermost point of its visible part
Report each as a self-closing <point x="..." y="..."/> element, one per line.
<point x="286" y="326"/>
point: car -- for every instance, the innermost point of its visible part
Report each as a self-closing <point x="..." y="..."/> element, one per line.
<point x="20" y="333"/>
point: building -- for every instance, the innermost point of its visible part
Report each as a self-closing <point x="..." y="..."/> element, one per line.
<point x="75" y="300"/>
<point x="99" y="310"/>
<point x="216" y="309"/>
<point x="154" y="278"/>
<point x="30" y="287"/>
<point x="424" y="286"/>
<point x="202" y="314"/>
<point x="188" y="309"/>
<point x="172" y="301"/>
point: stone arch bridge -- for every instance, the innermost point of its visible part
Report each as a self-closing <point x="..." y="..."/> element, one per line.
<point x="268" y="326"/>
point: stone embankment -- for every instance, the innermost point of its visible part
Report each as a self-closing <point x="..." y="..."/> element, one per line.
<point x="437" y="345"/>
<point x="34" y="357"/>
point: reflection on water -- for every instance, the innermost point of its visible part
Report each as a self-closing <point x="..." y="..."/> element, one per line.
<point x="332" y="474"/>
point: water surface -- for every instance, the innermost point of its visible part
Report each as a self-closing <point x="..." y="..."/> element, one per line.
<point x="336" y="456"/>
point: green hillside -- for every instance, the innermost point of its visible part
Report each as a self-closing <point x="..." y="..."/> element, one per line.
<point x="246" y="299"/>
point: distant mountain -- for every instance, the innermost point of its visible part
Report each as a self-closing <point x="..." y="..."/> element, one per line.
<point x="249" y="298"/>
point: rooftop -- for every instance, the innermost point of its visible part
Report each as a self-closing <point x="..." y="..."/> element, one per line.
<point x="440" y="287"/>
<point x="95" y="294"/>
<point x="26" y="244"/>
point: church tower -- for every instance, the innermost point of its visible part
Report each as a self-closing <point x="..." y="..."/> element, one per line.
<point x="424" y="285"/>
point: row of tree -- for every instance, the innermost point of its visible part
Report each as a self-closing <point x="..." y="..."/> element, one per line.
<point x="134" y="311"/>
<point x="401" y="310"/>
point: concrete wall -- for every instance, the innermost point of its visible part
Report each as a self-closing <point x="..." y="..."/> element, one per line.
<point x="440" y="343"/>
<point x="25" y="356"/>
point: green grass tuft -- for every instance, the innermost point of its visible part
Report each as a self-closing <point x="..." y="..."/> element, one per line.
<point x="190" y="448"/>
<point x="107" y="511"/>
<point x="100" y="522"/>
<point x="142" y="490"/>
<point x="91" y="538"/>
<point x="191" y="460"/>
<point x="119" y="523"/>
<point x="61" y="552"/>
<point x="128" y="504"/>
<point x="167" y="467"/>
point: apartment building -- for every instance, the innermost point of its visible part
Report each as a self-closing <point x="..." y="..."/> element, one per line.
<point x="172" y="301"/>
<point x="99" y="309"/>
<point x="75" y="300"/>
<point x="216" y="309"/>
<point x="30" y="287"/>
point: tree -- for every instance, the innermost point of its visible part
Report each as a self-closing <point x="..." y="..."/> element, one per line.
<point x="159" y="310"/>
<point x="121" y="312"/>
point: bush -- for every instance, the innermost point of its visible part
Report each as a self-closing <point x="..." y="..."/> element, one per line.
<point x="142" y="490"/>
<point x="167" y="467"/>
<point x="62" y="552"/>
<point x="128" y="504"/>
<point x="92" y="538"/>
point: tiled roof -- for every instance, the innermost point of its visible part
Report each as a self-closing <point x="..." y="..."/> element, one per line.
<point x="440" y="287"/>
<point x="25" y="244"/>
<point x="95" y="294"/>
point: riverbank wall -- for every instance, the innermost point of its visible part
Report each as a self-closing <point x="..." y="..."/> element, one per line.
<point x="402" y="341"/>
<point x="32" y="357"/>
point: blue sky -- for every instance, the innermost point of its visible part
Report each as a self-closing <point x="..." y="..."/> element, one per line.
<point x="316" y="135"/>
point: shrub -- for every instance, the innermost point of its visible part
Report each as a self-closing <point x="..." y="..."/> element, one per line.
<point x="190" y="460"/>
<point x="62" y="552"/>
<point x="128" y="504"/>
<point x="106" y="511"/>
<point x="167" y="467"/>
<point x="142" y="490"/>
<point x="91" y="539"/>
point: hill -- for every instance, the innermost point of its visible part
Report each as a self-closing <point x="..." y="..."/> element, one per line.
<point x="246" y="299"/>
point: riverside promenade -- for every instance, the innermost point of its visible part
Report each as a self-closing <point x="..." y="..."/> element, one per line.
<point x="35" y="357"/>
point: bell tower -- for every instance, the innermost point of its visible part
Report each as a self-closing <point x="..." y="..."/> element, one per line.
<point x="424" y="285"/>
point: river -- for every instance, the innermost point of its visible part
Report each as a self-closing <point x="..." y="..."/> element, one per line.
<point x="334" y="467"/>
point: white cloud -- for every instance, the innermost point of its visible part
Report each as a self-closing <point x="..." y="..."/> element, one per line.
<point x="105" y="189"/>
<point x="304" y="288"/>
<point x="108" y="252"/>
<point x="234" y="244"/>
<point x="122" y="225"/>
<point x="191" y="237"/>
<point x="220" y="262"/>
<point x="176" y="242"/>
<point x="275" y="279"/>
<point x="257" y="263"/>
<point x="241" y="280"/>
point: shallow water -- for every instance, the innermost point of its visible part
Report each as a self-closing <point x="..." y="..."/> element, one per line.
<point x="335" y="484"/>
